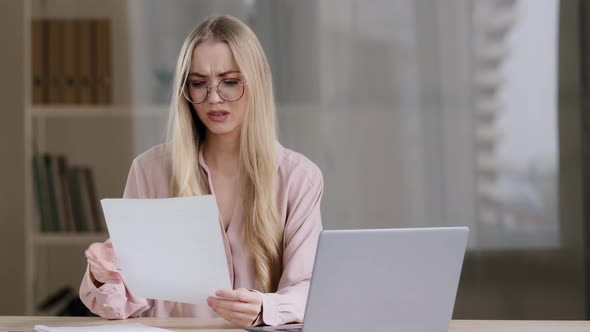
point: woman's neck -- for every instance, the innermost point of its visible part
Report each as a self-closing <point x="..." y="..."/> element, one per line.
<point x="222" y="154"/>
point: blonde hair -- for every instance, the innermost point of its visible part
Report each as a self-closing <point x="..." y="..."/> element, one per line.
<point x="186" y="134"/>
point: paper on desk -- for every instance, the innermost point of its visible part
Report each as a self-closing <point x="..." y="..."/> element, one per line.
<point x="101" y="328"/>
<point x="170" y="248"/>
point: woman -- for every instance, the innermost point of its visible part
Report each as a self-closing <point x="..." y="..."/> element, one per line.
<point x="222" y="141"/>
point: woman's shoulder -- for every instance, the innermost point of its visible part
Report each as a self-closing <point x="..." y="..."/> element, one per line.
<point x="155" y="153"/>
<point x="294" y="166"/>
<point x="151" y="172"/>
<point x="154" y="159"/>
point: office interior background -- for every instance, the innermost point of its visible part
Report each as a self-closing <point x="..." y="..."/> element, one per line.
<point x="420" y="113"/>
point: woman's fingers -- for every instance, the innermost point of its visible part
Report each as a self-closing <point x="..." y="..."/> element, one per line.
<point x="101" y="263"/>
<point x="104" y="275"/>
<point x="102" y="250"/>
<point x="239" y="306"/>
<point x="247" y="308"/>
<point x="238" y="318"/>
<point x="240" y="294"/>
<point x="101" y="259"/>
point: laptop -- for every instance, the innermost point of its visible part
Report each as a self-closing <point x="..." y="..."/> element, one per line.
<point x="402" y="279"/>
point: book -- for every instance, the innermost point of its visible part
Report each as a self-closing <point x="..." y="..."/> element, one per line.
<point x="58" y="193"/>
<point x="85" y="197"/>
<point x="66" y="197"/>
<point x="52" y="199"/>
<point x="98" y="217"/>
<point x="76" y="198"/>
<point x="62" y="165"/>
<point x="41" y="193"/>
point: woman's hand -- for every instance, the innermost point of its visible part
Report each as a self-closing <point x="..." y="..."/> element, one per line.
<point x="101" y="259"/>
<point x="239" y="306"/>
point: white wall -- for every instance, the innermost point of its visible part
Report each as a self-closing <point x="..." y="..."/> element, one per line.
<point x="12" y="152"/>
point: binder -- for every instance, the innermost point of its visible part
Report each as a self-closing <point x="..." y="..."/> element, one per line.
<point x="55" y="64"/>
<point x="38" y="59"/>
<point x="103" y="62"/>
<point x="85" y="61"/>
<point x="70" y="62"/>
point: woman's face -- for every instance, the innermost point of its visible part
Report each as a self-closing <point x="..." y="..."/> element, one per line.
<point x="213" y="63"/>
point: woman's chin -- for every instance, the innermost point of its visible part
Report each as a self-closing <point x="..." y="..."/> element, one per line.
<point x="220" y="130"/>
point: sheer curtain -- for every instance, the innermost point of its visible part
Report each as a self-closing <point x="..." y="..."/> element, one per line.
<point x="424" y="114"/>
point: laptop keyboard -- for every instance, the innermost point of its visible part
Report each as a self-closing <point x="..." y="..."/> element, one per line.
<point x="288" y="329"/>
<point x="284" y="328"/>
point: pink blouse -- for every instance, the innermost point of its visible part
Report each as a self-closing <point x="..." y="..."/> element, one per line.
<point x="299" y="188"/>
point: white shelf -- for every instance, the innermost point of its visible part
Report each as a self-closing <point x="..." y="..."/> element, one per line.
<point x="65" y="239"/>
<point x="81" y="111"/>
<point x="51" y="111"/>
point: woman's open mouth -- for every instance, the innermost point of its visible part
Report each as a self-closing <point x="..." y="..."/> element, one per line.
<point x="218" y="115"/>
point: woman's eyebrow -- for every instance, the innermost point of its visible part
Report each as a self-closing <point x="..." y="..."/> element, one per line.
<point x="225" y="73"/>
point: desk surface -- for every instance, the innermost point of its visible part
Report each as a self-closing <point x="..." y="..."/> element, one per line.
<point x="22" y="323"/>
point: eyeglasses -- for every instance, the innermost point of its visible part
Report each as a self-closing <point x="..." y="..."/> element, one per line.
<point x="196" y="92"/>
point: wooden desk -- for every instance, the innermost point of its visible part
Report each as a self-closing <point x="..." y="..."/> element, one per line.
<point x="211" y="325"/>
<point x="24" y="323"/>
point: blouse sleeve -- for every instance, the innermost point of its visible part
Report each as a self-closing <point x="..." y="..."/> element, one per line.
<point x="114" y="301"/>
<point x="301" y="234"/>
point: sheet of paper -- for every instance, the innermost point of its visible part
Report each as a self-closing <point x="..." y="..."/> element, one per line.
<point x="170" y="248"/>
<point x="101" y="328"/>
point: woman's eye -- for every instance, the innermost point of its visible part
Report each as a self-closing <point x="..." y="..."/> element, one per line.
<point x="196" y="84"/>
<point x="230" y="82"/>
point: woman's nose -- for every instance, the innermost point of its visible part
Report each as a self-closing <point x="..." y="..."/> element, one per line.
<point x="214" y="97"/>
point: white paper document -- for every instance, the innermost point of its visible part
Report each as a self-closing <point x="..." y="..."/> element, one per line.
<point x="101" y="328"/>
<point x="169" y="248"/>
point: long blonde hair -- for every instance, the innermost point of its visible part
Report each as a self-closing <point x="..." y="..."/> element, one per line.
<point x="186" y="134"/>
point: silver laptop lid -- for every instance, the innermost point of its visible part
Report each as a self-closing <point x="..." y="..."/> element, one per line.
<point x="385" y="280"/>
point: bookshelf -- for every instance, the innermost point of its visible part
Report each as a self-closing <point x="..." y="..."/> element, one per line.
<point x="69" y="111"/>
<point x="39" y="129"/>
<point x="100" y="136"/>
<point x="67" y="239"/>
<point x="89" y="111"/>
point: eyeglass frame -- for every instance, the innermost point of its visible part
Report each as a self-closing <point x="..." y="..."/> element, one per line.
<point x="208" y="87"/>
